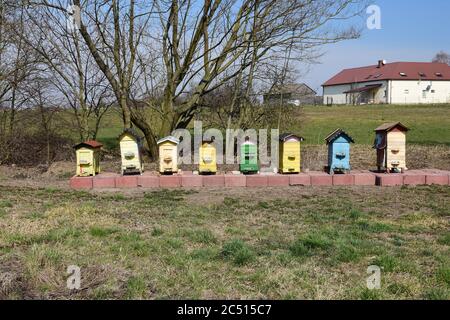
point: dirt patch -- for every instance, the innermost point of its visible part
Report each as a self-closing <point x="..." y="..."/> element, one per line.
<point x="93" y="277"/>
<point x="13" y="282"/>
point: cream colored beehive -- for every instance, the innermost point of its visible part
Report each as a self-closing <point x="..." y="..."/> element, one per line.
<point x="390" y="143"/>
<point x="168" y="155"/>
<point x="131" y="152"/>
<point x="88" y="158"/>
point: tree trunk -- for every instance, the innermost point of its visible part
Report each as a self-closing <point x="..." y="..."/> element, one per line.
<point x="126" y="114"/>
<point x="148" y="135"/>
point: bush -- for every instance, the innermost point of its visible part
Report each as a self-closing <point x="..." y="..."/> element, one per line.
<point x="31" y="149"/>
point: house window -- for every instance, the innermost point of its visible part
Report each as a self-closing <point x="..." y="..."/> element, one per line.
<point x="424" y="94"/>
<point x="438" y="74"/>
<point x="433" y="91"/>
<point x="403" y="74"/>
<point x="406" y="91"/>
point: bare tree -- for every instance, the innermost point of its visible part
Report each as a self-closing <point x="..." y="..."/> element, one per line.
<point x="17" y="65"/>
<point x="442" y="57"/>
<point x="74" y="73"/>
<point x="201" y="45"/>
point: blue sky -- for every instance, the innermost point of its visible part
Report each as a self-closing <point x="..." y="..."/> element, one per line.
<point x="412" y="30"/>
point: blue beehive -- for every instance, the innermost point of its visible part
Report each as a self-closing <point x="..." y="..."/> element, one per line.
<point x="338" y="151"/>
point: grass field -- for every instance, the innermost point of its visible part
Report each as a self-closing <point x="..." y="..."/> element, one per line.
<point x="430" y="124"/>
<point x="312" y="243"/>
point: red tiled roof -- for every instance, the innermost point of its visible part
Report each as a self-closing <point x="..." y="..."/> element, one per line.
<point x="89" y="143"/>
<point x="393" y="71"/>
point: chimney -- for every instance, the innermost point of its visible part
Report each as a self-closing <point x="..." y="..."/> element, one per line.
<point x="381" y="63"/>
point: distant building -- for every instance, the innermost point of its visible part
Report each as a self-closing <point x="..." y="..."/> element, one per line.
<point x="293" y="94"/>
<point x="390" y="83"/>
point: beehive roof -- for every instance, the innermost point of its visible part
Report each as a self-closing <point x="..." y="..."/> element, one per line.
<point x="390" y="126"/>
<point x="169" y="139"/>
<point x="90" y="144"/>
<point x="131" y="132"/>
<point x="336" y="134"/>
<point x="208" y="140"/>
<point x="287" y="136"/>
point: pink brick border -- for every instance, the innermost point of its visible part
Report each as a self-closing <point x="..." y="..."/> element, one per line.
<point x="321" y="179"/>
<point x="234" y="180"/>
<point x="214" y="181"/>
<point x="167" y="182"/>
<point x="414" y="178"/>
<point x="364" y="178"/>
<point x="301" y="179"/>
<point x="189" y="180"/>
<point x="81" y="183"/>
<point x="256" y="181"/>
<point x="148" y="181"/>
<point x="105" y="181"/>
<point x="389" y="180"/>
<point x="127" y="182"/>
<point x="343" y="180"/>
<point x="278" y="180"/>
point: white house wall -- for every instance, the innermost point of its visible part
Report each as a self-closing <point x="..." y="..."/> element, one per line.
<point x="412" y="92"/>
<point x="398" y="91"/>
<point x="339" y="97"/>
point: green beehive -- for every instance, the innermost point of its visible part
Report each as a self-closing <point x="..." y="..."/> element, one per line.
<point x="249" y="158"/>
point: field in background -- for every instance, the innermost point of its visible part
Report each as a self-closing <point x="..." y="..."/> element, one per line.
<point x="430" y="124"/>
<point x="288" y="243"/>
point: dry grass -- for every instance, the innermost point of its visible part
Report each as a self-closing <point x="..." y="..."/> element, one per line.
<point x="281" y="243"/>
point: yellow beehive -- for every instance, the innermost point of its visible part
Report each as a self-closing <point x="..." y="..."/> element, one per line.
<point x="208" y="157"/>
<point x="168" y="155"/>
<point x="131" y="152"/>
<point x="390" y="143"/>
<point x="88" y="158"/>
<point x="290" y="153"/>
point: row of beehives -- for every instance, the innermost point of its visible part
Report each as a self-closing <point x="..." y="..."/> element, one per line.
<point x="390" y="145"/>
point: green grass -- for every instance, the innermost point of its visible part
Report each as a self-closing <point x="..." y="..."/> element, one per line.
<point x="293" y="243"/>
<point x="101" y="232"/>
<point x="429" y="124"/>
<point x="238" y="252"/>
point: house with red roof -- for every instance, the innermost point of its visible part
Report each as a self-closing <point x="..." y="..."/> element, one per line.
<point x="390" y="83"/>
